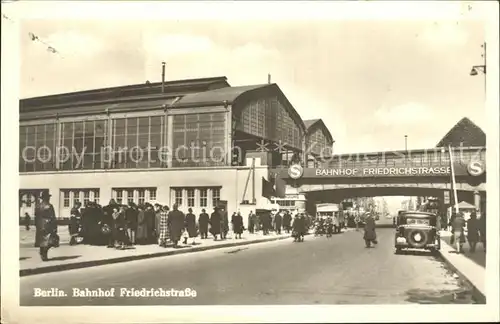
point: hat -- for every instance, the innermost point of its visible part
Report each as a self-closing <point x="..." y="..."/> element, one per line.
<point x="45" y="194"/>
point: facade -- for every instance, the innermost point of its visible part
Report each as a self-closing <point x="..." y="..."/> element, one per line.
<point x="190" y="142"/>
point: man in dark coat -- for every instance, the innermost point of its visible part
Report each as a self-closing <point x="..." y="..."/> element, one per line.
<point x="370" y="236"/>
<point x="176" y="224"/>
<point x="277" y="223"/>
<point x="266" y="222"/>
<point x="215" y="223"/>
<point x="190" y="225"/>
<point x="224" y="223"/>
<point x="237" y="221"/>
<point x="74" y="223"/>
<point x="150" y="216"/>
<point x="481" y="226"/>
<point x="251" y="222"/>
<point x="287" y="221"/>
<point x="142" y="230"/>
<point x="47" y="225"/>
<point x="110" y="221"/>
<point x="203" y="221"/>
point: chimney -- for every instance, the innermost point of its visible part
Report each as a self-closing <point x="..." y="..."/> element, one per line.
<point x="268" y="78"/>
<point x="162" y="77"/>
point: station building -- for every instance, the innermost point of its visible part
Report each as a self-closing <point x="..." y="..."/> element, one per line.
<point x="192" y="142"/>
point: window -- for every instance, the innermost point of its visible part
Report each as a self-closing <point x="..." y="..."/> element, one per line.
<point x="96" y="197"/>
<point x="203" y="197"/>
<point x="70" y="197"/>
<point x="137" y="142"/>
<point x="191" y="194"/>
<point x="130" y="196"/>
<point x="37" y="147"/>
<point x="142" y="196"/>
<point x="152" y="194"/>
<point x="119" y="197"/>
<point x="76" y="197"/>
<point x="86" y="197"/>
<point x="190" y="197"/>
<point x="83" y="138"/>
<point x="215" y="196"/>
<point x="178" y="197"/>
<point x="198" y="140"/>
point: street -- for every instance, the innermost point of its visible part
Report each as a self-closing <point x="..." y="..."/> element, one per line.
<point x="339" y="270"/>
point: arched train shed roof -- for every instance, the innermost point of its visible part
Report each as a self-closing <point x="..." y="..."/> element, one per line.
<point x="312" y="124"/>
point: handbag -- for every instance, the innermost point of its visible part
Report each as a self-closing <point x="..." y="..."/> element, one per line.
<point x="54" y="240"/>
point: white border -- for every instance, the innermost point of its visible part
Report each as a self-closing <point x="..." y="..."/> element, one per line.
<point x="12" y="313"/>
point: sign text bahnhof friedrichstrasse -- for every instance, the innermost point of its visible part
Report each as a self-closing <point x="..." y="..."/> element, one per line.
<point x="367" y="172"/>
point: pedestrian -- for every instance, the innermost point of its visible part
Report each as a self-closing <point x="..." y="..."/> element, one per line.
<point x="157" y="211"/>
<point x="131" y="217"/>
<point x="176" y="224"/>
<point x="232" y="221"/>
<point x="481" y="224"/>
<point x="203" y="221"/>
<point x="251" y="222"/>
<point x="109" y="210"/>
<point x="472" y="232"/>
<point x="150" y="218"/>
<point x="215" y="223"/>
<point x="190" y="224"/>
<point x="277" y="223"/>
<point x="237" y="222"/>
<point x="163" y="230"/>
<point x="142" y="230"/>
<point x="458" y="236"/>
<point x="224" y="223"/>
<point x="73" y="225"/>
<point x="287" y="220"/>
<point x="27" y="221"/>
<point x="120" y="237"/>
<point x="48" y="225"/>
<point x="357" y="221"/>
<point x="370" y="236"/>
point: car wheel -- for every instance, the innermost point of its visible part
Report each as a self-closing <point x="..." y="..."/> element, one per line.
<point x="417" y="238"/>
<point x="398" y="251"/>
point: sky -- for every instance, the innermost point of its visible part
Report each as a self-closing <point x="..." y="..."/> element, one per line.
<point x="371" y="81"/>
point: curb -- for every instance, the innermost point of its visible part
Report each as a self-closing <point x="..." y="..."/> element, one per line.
<point x="476" y="293"/>
<point x="94" y="263"/>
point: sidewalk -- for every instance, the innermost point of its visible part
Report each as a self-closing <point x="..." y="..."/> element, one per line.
<point x="469" y="266"/>
<point x="67" y="257"/>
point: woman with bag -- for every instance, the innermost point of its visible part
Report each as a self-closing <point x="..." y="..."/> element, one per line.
<point x="458" y="236"/>
<point x="47" y="225"/>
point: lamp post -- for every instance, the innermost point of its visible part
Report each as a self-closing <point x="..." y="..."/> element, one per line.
<point x="480" y="68"/>
<point x="406" y="142"/>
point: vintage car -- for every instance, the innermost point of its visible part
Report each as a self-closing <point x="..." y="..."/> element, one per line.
<point x="417" y="230"/>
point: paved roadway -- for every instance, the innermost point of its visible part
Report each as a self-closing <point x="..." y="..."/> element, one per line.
<point x="339" y="270"/>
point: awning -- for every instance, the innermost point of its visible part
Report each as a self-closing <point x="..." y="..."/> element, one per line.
<point x="465" y="205"/>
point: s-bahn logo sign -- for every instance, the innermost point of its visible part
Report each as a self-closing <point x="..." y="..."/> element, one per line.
<point x="475" y="168"/>
<point x="295" y="171"/>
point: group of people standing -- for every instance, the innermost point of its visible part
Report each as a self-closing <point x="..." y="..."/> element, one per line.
<point x="267" y="221"/>
<point x="476" y="231"/>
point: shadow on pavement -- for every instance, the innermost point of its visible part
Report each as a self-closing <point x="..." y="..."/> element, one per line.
<point x="24" y="258"/>
<point x="421" y="296"/>
<point x="62" y="258"/>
